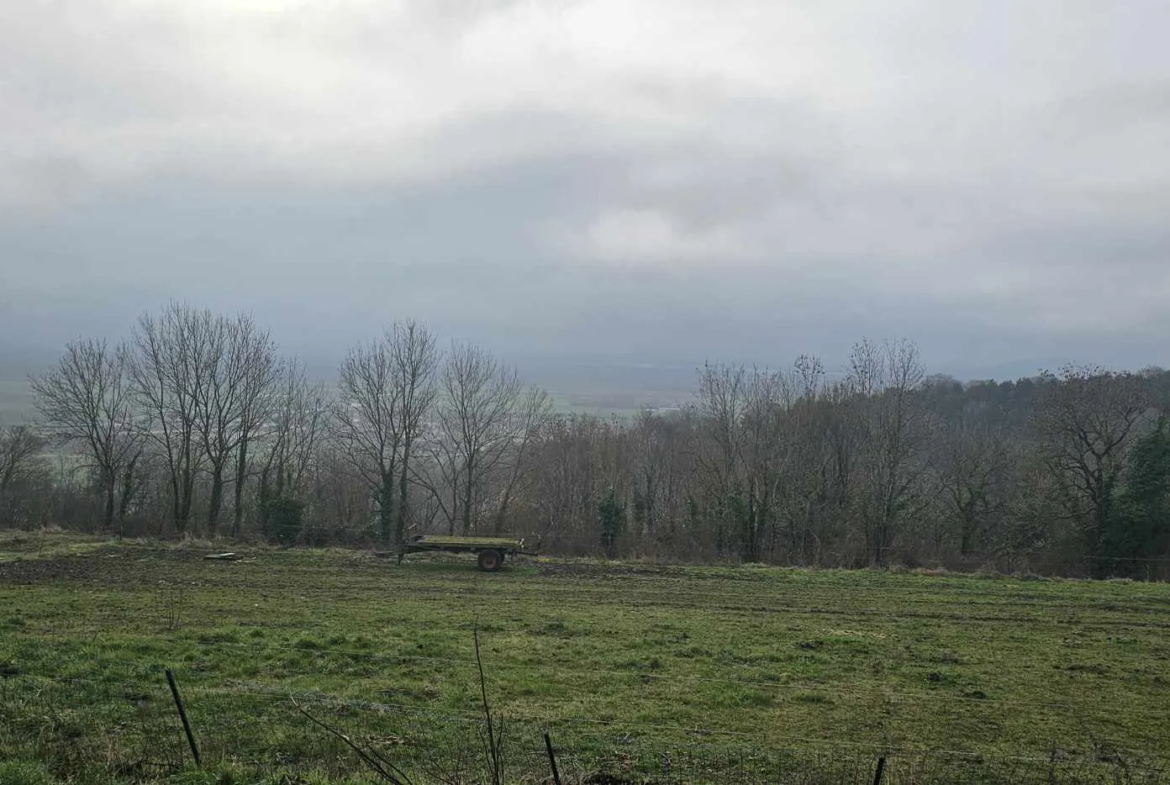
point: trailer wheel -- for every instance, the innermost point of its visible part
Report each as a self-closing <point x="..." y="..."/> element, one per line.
<point x="489" y="560"/>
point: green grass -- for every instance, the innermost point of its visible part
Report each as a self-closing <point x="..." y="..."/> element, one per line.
<point x="712" y="672"/>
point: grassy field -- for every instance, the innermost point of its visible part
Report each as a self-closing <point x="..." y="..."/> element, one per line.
<point x="641" y="672"/>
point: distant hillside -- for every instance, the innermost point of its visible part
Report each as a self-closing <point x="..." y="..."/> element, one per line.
<point x="611" y="387"/>
<point x="16" y="404"/>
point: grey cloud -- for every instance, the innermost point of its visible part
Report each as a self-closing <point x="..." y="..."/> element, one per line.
<point x="1013" y="212"/>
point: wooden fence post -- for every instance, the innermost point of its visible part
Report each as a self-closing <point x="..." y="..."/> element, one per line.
<point x="552" y="759"/>
<point x="183" y="716"/>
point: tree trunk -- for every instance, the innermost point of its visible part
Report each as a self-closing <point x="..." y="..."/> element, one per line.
<point x="1097" y="567"/>
<point x="455" y="506"/>
<point x="386" y="507"/>
<point x="110" y="481"/>
<point x="127" y="493"/>
<point x="265" y="497"/>
<point x="968" y="524"/>
<point x="216" y="502"/>
<point x="177" y="503"/>
<point x="241" y="472"/>
<point x="468" y="490"/>
<point x="403" y="494"/>
<point x="186" y="498"/>
<point x="502" y="512"/>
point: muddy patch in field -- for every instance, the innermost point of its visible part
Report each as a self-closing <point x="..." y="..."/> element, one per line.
<point x="71" y="569"/>
<point x="106" y="567"/>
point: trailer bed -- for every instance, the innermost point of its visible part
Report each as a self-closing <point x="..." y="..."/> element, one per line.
<point x="490" y="551"/>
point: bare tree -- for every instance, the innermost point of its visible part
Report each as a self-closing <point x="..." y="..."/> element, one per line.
<point x="340" y="494"/>
<point x="483" y="419"/>
<point x="884" y="380"/>
<point x="86" y="401"/>
<point x="170" y="360"/>
<point x="532" y="411"/>
<point x="838" y="414"/>
<point x="387" y="389"/>
<point x="564" y="481"/>
<point x="257" y="407"/>
<point x="768" y="447"/>
<point x="743" y="414"/>
<point x="235" y="400"/>
<point x="415" y="367"/>
<point x="722" y="402"/>
<point x="656" y="448"/>
<point x="20" y="449"/>
<point x="969" y="462"/>
<point x="21" y="473"/>
<point x="1085" y="419"/>
<point x="299" y="424"/>
<point x="806" y="496"/>
<point x="365" y="413"/>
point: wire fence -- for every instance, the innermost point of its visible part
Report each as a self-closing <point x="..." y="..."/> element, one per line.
<point x="134" y="730"/>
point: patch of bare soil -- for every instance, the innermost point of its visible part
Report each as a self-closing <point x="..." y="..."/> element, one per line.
<point x="61" y="569"/>
<point x="111" y="566"/>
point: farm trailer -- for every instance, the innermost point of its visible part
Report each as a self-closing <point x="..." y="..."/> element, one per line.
<point x="490" y="551"/>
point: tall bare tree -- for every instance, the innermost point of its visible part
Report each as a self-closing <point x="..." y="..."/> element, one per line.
<point x="290" y="447"/>
<point x="20" y="450"/>
<point x="86" y="401"/>
<point x="744" y="418"/>
<point x="257" y="407"/>
<point x="806" y="497"/>
<point x="386" y="390"/>
<point x="884" y="380"/>
<point x="235" y="401"/>
<point x="655" y="450"/>
<point x="722" y="403"/>
<point x="1086" y="419"/>
<point x="532" y="411"/>
<point x="170" y="359"/>
<point x="769" y="448"/>
<point x="564" y="481"/>
<point x="414" y="376"/>
<point x="365" y="413"/>
<point x="484" y="417"/>
<point x="970" y="460"/>
<point x="22" y="474"/>
<point x="300" y="420"/>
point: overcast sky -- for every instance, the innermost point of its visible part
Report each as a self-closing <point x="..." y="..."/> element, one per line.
<point x="655" y="181"/>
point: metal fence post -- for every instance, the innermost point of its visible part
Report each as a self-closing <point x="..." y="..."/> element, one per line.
<point x="183" y="716"/>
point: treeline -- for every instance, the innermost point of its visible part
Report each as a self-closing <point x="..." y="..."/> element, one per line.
<point x="195" y="424"/>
